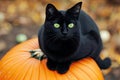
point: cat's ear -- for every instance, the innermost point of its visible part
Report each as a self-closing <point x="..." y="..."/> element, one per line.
<point x="75" y="10"/>
<point x="51" y="10"/>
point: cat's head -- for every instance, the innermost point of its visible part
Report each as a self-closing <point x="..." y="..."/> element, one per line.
<point x="62" y="24"/>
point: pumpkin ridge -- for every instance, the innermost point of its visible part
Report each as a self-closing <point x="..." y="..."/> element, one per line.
<point x="9" y="60"/>
<point x="12" y="68"/>
<point x="83" y="74"/>
<point x="15" y="71"/>
<point x="34" y="72"/>
<point x="55" y="75"/>
<point x="15" y="56"/>
<point x="25" y="73"/>
<point x="91" y="71"/>
<point x="58" y="77"/>
<point x="29" y="71"/>
<point x="8" y="56"/>
<point x="42" y="71"/>
<point x="70" y="75"/>
<point x="76" y="74"/>
<point x="20" y="70"/>
<point x="91" y="62"/>
<point x="34" y="68"/>
<point x="64" y="77"/>
<point x="39" y="64"/>
<point x="95" y="68"/>
<point x="9" y="68"/>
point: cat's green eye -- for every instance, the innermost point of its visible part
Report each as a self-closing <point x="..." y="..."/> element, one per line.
<point x="71" y="25"/>
<point x="56" y="25"/>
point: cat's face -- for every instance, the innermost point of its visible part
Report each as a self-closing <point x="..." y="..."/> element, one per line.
<point x="62" y="24"/>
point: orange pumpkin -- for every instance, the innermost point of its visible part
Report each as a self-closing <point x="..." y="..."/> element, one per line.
<point x="20" y="64"/>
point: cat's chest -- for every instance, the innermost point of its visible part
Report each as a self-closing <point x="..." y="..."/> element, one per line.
<point x="60" y="48"/>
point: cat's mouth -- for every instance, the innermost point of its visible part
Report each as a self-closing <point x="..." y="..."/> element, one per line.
<point x="64" y="38"/>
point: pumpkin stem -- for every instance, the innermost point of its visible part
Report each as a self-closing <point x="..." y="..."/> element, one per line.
<point x="38" y="54"/>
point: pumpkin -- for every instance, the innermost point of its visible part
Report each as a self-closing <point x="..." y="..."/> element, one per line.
<point x="24" y="62"/>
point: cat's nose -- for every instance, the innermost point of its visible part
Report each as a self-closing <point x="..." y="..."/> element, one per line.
<point x="64" y="32"/>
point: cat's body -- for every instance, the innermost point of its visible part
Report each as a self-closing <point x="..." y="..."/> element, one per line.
<point x="64" y="45"/>
<point x="84" y="45"/>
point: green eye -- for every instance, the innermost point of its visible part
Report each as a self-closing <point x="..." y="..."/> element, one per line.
<point x="71" y="25"/>
<point x="56" y="25"/>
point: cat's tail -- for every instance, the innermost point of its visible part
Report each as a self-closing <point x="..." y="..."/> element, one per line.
<point x="103" y="64"/>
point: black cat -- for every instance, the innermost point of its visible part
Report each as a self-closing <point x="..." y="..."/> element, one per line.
<point x="70" y="35"/>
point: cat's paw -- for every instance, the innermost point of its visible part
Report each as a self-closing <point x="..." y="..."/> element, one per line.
<point x="51" y="66"/>
<point x="63" y="68"/>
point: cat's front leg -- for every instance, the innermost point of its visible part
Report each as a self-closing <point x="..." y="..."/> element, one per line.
<point x="51" y="64"/>
<point x="63" y="67"/>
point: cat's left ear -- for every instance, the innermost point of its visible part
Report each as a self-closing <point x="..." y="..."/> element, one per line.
<point x="75" y="10"/>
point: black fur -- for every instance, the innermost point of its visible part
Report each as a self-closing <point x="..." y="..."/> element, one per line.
<point x="64" y="45"/>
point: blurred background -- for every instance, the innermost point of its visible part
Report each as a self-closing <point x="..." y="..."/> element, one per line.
<point x="21" y="19"/>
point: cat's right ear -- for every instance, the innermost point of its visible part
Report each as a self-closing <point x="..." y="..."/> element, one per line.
<point x="50" y="11"/>
<point x="75" y="10"/>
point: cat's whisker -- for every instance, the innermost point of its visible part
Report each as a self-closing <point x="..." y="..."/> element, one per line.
<point x="51" y="35"/>
<point x="52" y="38"/>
